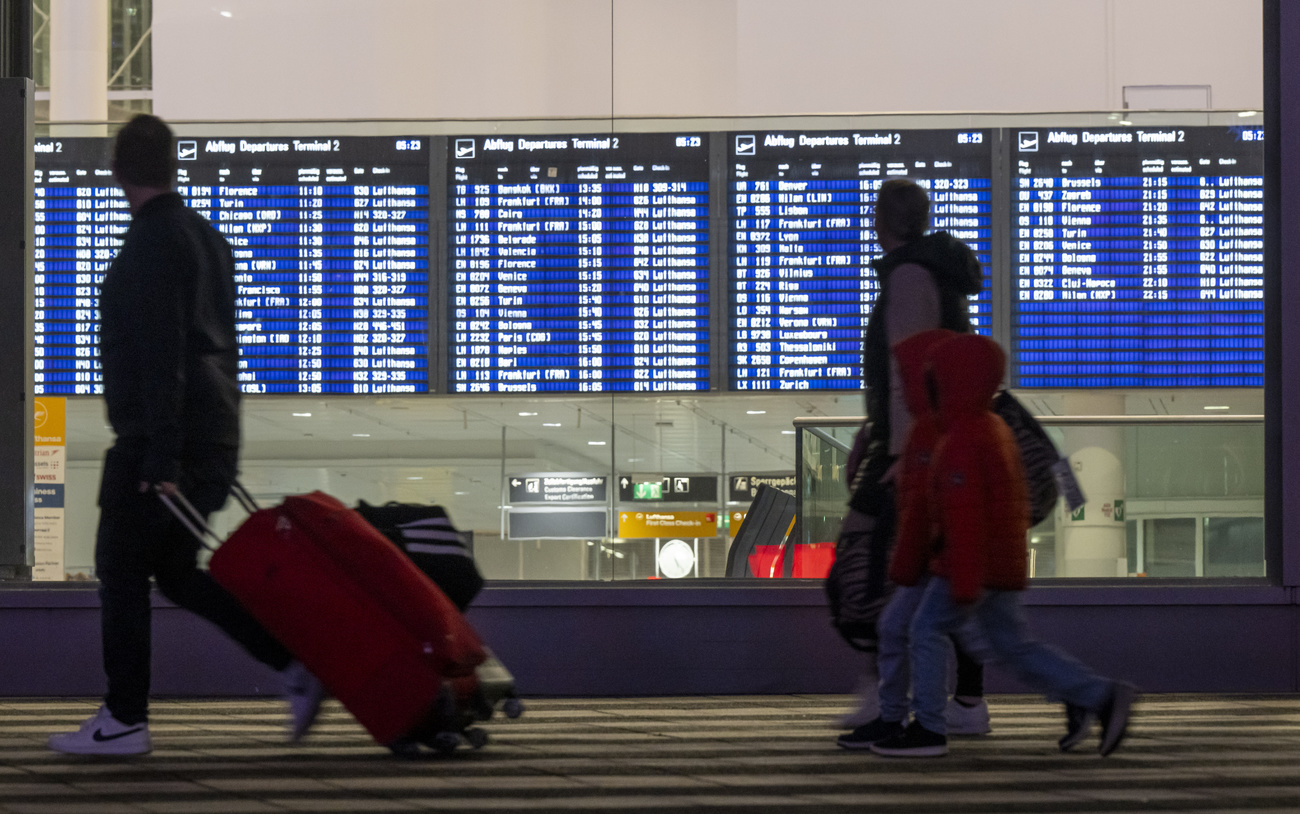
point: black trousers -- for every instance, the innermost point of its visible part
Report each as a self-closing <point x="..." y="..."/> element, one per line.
<point x="138" y="538"/>
<point x="970" y="674"/>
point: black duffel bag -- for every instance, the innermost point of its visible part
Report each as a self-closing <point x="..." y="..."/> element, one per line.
<point x="427" y="536"/>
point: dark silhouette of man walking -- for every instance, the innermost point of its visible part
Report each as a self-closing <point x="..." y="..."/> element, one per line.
<point x="169" y="357"/>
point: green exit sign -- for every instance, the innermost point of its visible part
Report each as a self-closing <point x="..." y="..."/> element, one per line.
<point x="653" y="490"/>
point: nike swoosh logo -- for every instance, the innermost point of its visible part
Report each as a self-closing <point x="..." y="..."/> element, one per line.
<point x="100" y="737"/>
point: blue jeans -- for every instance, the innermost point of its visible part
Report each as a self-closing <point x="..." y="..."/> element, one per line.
<point x="1005" y="638"/>
<point x="892" y="650"/>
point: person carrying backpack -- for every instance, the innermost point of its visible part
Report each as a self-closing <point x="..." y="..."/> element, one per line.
<point x="925" y="280"/>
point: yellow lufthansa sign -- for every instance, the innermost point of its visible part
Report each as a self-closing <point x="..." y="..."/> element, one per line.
<point x="667" y="524"/>
<point x="50" y="421"/>
<point x="737" y="518"/>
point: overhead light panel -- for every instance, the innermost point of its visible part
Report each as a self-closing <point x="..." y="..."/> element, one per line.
<point x="552" y="425"/>
<point x="526" y="415"/>
<point x="787" y="432"/>
<point x="302" y="415"/>
<point x="756" y="412"/>
<point x="1218" y="407"/>
<point x="1248" y="113"/>
<point x="360" y="435"/>
<point x="595" y="443"/>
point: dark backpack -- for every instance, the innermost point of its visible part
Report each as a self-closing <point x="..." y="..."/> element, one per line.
<point x="1047" y="475"/>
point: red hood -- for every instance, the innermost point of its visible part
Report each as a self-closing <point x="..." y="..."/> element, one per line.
<point x="913" y="357"/>
<point x="967" y="370"/>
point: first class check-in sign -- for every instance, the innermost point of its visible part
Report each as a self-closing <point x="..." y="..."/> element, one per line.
<point x="633" y="525"/>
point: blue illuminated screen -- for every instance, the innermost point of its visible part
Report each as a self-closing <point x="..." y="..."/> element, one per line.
<point x="1138" y="257"/>
<point x="330" y="241"/>
<point x="801" y="240"/>
<point x="579" y="263"/>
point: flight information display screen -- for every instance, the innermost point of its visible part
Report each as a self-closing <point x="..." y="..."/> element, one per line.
<point x="801" y="240"/>
<point x="578" y="263"/>
<point x="1138" y="257"/>
<point x="330" y="239"/>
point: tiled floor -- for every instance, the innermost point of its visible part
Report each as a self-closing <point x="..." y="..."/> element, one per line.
<point x="1185" y="753"/>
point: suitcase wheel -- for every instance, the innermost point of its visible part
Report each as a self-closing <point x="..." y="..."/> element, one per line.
<point x="444" y="743"/>
<point x="477" y="737"/>
<point x="513" y="708"/>
<point x="405" y="747"/>
<point x="482" y="709"/>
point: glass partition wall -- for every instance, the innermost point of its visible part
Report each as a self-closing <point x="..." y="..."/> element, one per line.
<point x="1168" y="495"/>
<point x="611" y="483"/>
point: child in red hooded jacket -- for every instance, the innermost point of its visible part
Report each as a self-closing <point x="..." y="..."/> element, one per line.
<point x="911" y="555"/>
<point x="978" y="505"/>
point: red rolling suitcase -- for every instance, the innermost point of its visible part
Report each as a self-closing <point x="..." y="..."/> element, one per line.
<point x="378" y="634"/>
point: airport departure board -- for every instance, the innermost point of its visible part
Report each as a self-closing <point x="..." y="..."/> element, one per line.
<point x="801" y="240"/>
<point x="581" y="263"/>
<point x="578" y="263"/>
<point x="1138" y="256"/>
<point x="330" y="240"/>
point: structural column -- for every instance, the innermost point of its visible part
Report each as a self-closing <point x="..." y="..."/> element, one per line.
<point x="16" y="170"/>
<point x="1092" y="542"/>
<point x="78" y="61"/>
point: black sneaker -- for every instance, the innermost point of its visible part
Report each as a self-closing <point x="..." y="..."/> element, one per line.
<point x="1114" y="716"/>
<point x="1078" y="723"/>
<point x="915" y="741"/>
<point x="867" y="734"/>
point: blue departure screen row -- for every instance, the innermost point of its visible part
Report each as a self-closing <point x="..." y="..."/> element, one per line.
<point x="330" y="242"/>
<point x="801" y="240"/>
<point x="1138" y="257"/>
<point x="1129" y="257"/>
<point x="579" y="264"/>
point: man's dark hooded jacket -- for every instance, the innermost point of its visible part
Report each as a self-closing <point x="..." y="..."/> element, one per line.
<point x="957" y="274"/>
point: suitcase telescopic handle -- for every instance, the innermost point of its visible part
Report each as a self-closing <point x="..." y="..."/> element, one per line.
<point x="180" y="506"/>
<point x="245" y="499"/>
<point x="190" y="518"/>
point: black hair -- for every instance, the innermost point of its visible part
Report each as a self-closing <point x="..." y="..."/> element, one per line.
<point x="144" y="153"/>
<point x="903" y="209"/>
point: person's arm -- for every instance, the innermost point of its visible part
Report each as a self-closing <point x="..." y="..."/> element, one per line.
<point x="963" y="506"/>
<point x="913" y="307"/>
<point x="158" y="346"/>
<point x="912" y="543"/>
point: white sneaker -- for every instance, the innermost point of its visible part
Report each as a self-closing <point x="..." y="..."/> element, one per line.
<point x="964" y="720"/>
<point x="102" y="734"/>
<point x="305" y="694"/>
<point x="868" y="710"/>
<point x="868" y="693"/>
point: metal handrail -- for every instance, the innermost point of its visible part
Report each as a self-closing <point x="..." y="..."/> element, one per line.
<point x="1067" y="420"/>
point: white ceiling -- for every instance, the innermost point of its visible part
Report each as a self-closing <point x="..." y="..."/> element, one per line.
<point x="653" y="434"/>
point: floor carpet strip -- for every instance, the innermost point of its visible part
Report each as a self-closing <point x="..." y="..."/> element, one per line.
<point x="720" y="754"/>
